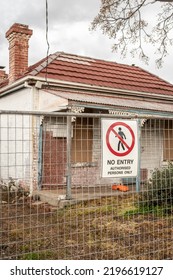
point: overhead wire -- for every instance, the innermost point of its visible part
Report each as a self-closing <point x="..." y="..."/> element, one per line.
<point x="47" y="40"/>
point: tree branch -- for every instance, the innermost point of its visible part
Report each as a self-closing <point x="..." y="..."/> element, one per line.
<point x="125" y="22"/>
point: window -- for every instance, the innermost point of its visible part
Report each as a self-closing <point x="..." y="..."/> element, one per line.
<point x="168" y="141"/>
<point x="82" y="140"/>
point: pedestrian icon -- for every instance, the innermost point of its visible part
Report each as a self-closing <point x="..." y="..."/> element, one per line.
<point x="125" y="139"/>
<point x="121" y="137"/>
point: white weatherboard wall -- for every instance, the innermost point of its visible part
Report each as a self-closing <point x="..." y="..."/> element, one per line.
<point x="19" y="134"/>
<point x="50" y="102"/>
<point x="15" y="136"/>
<point x="20" y="100"/>
<point x="15" y="146"/>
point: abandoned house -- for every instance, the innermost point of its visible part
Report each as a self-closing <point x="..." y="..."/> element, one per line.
<point x="75" y="84"/>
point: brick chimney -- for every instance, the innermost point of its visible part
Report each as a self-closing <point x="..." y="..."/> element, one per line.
<point x="3" y="75"/>
<point x="18" y="36"/>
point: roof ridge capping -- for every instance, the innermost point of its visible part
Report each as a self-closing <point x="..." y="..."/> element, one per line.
<point x="45" y="63"/>
<point x="62" y="56"/>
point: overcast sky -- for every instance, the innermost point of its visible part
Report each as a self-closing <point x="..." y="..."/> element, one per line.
<point x="69" y="22"/>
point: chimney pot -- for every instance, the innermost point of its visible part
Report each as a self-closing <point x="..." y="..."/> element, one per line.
<point x="3" y="75"/>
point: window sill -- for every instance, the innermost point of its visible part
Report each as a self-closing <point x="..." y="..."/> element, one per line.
<point x="84" y="164"/>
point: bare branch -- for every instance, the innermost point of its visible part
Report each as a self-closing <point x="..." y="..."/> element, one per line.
<point x="125" y="22"/>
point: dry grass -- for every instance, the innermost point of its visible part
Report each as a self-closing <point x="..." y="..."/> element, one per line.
<point x="105" y="228"/>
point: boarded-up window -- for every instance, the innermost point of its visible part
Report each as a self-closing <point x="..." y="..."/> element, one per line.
<point x="168" y="141"/>
<point x="82" y="140"/>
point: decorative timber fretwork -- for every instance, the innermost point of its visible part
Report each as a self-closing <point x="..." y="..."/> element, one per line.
<point x="142" y="122"/>
<point x="121" y="113"/>
<point x="75" y="110"/>
<point x="41" y="119"/>
<point x="128" y="115"/>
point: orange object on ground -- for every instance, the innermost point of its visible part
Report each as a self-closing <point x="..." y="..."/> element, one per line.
<point x="120" y="188"/>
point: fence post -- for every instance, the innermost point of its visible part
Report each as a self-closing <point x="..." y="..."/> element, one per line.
<point x="138" y="178"/>
<point x="68" y="174"/>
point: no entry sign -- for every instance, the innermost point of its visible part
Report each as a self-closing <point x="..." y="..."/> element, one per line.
<point x="119" y="148"/>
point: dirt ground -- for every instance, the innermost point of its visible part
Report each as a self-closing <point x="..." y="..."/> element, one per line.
<point x="101" y="228"/>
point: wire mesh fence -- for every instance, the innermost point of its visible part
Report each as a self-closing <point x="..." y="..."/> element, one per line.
<point x="55" y="203"/>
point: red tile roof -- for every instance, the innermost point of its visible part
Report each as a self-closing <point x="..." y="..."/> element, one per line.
<point x="96" y="72"/>
<point x="101" y="73"/>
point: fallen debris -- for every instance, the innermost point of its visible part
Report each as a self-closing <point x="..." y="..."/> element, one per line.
<point x="12" y="191"/>
<point x="120" y="188"/>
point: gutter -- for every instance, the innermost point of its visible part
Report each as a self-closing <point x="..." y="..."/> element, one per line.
<point x="75" y="86"/>
<point x="40" y="82"/>
<point x="14" y="86"/>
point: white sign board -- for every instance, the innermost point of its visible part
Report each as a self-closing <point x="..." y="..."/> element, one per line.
<point x="119" y="148"/>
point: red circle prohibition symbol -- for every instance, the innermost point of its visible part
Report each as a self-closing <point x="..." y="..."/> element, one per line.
<point x="129" y="148"/>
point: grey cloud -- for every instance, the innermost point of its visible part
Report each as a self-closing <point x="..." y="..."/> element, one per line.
<point x="75" y="15"/>
<point x="72" y="10"/>
<point x="33" y="11"/>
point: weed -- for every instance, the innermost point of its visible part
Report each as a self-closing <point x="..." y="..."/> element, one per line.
<point x="38" y="255"/>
